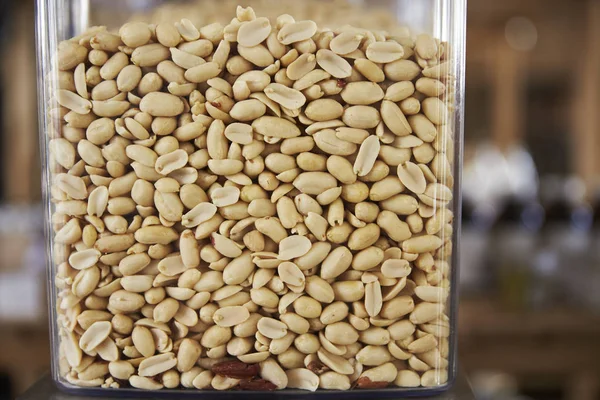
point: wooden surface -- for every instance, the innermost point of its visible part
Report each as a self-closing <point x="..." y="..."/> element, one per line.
<point x="24" y="353"/>
<point x="554" y="347"/>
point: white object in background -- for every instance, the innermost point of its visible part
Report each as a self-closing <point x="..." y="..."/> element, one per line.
<point x="486" y="178"/>
<point x="21" y="219"/>
<point x="491" y="177"/>
<point x="20" y="297"/>
<point x="522" y="174"/>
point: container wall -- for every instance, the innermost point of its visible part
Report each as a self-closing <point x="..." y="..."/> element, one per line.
<point x="200" y="175"/>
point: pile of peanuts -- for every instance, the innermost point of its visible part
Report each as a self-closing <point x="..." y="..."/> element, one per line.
<point x="257" y="206"/>
<point x="326" y="13"/>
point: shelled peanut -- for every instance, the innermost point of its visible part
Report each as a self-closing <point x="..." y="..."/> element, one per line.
<point x="262" y="205"/>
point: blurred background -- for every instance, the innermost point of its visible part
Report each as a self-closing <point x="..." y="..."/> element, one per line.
<point x="529" y="317"/>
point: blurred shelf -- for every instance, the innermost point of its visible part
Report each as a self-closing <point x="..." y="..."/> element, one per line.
<point x="484" y="317"/>
<point x="559" y="346"/>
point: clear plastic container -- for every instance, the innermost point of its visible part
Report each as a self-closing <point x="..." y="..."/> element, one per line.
<point x="251" y="227"/>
